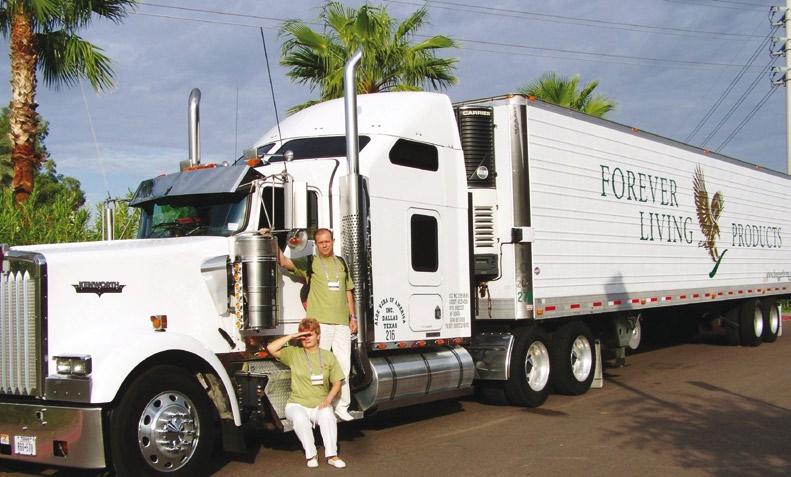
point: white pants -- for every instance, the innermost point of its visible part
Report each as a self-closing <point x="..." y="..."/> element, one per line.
<point x="305" y="418"/>
<point x="338" y="339"/>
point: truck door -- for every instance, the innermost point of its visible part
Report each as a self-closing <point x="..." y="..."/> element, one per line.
<point x="425" y="273"/>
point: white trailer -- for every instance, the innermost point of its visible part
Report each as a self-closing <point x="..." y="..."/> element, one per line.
<point x="493" y="243"/>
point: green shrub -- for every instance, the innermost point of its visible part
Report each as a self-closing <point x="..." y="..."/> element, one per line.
<point x="60" y="219"/>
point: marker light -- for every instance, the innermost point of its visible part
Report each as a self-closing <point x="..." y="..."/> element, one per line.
<point x="77" y="365"/>
<point x="159" y="322"/>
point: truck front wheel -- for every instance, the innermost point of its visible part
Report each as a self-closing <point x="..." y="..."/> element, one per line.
<point x="573" y="358"/>
<point x="528" y="384"/>
<point x="162" y="426"/>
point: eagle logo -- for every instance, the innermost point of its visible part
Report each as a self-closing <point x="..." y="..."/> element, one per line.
<point x="708" y="214"/>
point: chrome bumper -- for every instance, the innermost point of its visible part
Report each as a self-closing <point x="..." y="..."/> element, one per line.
<point x="63" y="436"/>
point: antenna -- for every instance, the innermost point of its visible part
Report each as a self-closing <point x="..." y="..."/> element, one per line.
<point x="272" y="88"/>
<point x="236" y="125"/>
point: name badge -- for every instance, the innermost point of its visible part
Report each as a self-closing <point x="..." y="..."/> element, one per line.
<point x="317" y="379"/>
<point x="334" y="286"/>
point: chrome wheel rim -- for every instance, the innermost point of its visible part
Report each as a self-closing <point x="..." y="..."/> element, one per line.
<point x="758" y="322"/>
<point x="168" y="431"/>
<point x="636" y="336"/>
<point x="581" y="358"/>
<point x="774" y="321"/>
<point x="537" y="366"/>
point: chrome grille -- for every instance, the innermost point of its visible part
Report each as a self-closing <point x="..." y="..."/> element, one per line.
<point x="20" y="333"/>
<point x="483" y="223"/>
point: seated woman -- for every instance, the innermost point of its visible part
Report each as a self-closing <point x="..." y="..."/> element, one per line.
<point x="316" y="379"/>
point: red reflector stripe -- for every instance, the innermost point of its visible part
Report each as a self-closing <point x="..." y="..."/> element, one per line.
<point x="574" y="306"/>
<point x="616" y="302"/>
<point x="729" y="293"/>
<point x="550" y="308"/>
<point x="652" y="299"/>
<point x="635" y="300"/>
<point x="596" y="303"/>
<point x="696" y="295"/>
<point x="682" y="297"/>
<point x="720" y="293"/>
<point x="668" y="298"/>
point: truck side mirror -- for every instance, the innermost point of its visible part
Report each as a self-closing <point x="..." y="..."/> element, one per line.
<point x="296" y="205"/>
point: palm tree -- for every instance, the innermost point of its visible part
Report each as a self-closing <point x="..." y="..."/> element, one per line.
<point x="564" y="92"/>
<point x="390" y="61"/>
<point x="43" y="36"/>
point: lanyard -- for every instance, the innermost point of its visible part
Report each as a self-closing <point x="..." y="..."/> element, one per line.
<point x="307" y="358"/>
<point x="324" y="268"/>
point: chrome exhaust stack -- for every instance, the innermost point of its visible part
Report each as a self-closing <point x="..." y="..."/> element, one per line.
<point x="354" y="222"/>
<point x="193" y="118"/>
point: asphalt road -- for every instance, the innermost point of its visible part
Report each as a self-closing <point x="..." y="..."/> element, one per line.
<point x="684" y="410"/>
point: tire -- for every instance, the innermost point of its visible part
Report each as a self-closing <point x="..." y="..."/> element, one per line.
<point x="528" y="384"/>
<point x="751" y="323"/>
<point x="636" y="335"/>
<point x="164" y="397"/>
<point x="573" y="357"/>
<point x="771" y="321"/>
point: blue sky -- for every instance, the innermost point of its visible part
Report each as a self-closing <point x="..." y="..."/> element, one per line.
<point x="666" y="62"/>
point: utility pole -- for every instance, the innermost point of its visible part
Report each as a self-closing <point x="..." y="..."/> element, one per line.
<point x="787" y="77"/>
<point x="782" y="75"/>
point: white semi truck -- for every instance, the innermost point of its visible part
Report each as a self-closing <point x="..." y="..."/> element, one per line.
<point x="494" y="243"/>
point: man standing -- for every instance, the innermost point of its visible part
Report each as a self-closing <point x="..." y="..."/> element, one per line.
<point x="331" y="302"/>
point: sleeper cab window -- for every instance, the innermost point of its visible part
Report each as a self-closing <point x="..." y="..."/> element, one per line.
<point x="424" y="241"/>
<point x="414" y="154"/>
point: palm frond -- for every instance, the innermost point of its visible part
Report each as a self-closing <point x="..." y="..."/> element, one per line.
<point x="65" y="58"/>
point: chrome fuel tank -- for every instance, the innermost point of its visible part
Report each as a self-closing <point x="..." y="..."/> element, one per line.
<point x="406" y="378"/>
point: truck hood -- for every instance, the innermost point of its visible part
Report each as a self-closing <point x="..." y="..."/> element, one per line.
<point x="101" y="295"/>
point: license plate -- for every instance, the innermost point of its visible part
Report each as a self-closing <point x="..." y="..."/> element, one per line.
<point x="25" y="445"/>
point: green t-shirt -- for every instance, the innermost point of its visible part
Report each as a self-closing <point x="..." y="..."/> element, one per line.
<point x="324" y="304"/>
<point x="302" y="391"/>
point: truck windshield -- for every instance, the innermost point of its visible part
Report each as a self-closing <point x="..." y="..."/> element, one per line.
<point x="194" y="216"/>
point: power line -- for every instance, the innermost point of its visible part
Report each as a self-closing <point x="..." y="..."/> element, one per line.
<point x="626" y="59"/>
<point x="730" y="87"/>
<point x="747" y="118"/>
<point x="213" y="12"/>
<point x="738" y="103"/>
<point x="732" y="2"/>
<point x="603" y="55"/>
<point x="688" y="3"/>
<point x="511" y="14"/>
<point x="200" y="20"/>
<point x="544" y="17"/>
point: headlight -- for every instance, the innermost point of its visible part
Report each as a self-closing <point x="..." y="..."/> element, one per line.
<point x="77" y="365"/>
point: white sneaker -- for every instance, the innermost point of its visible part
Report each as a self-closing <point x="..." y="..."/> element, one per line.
<point x="336" y="462"/>
<point x="344" y="415"/>
<point x="313" y="462"/>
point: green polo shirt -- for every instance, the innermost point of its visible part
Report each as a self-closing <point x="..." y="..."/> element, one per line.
<point x="326" y="305"/>
<point x="302" y="391"/>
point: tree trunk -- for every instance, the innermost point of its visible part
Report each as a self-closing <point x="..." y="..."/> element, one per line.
<point x="22" y="110"/>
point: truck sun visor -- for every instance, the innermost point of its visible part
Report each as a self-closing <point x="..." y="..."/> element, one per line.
<point x="220" y="180"/>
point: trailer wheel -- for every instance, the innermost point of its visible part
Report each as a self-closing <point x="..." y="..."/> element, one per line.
<point x="771" y="321"/>
<point x="751" y="323"/>
<point x="528" y="384"/>
<point x="163" y="425"/>
<point x="573" y="356"/>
